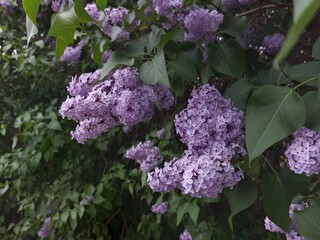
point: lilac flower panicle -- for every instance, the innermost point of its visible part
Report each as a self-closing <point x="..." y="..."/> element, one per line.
<point x="247" y="36"/>
<point x="272" y="43"/>
<point x="90" y="198"/>
<point x="159" y="208"/>
<point x="146" y="155"/>
<point x="45" y="229"/>
<point x="303" y="153"/>
<point x="72" y="54"/>
<point x="160" y="134"/>
<point x="230" y="4"/>
<point x="105" y="56"/>
<point x="93" y="11"/>
<point x="56" y="5"/>
<point x="6" y="7"/>
<point x="201" y="25"/>
<point x="185" y="235"/>
<point x="293" y="234"/>
<point x="120" y="98"/>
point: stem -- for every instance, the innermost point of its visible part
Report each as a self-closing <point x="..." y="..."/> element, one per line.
<point x="260" y="8"/>
<point x="301" y="84"/>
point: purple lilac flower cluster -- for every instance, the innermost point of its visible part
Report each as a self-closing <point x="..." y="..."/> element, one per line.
<point x="45" y="229"/>
<point x="121" y="98"/>
<point x="170" y="9"/>
<point x="293" y="234"/>
<point x="160" y="134"/>
<point x="146" y="154"/>
<point x="57" y="4"/>
<point x="72" y="54"/>
<point x="6" y="7"/>
<point x="105" y="56"/>
<point x="201" y="25"/>
<point x="245" y="39"/>
<point x="303" y="154"/>
<point x="211" y="127"/>
<point x="93" y="11"/>
<point x="159" y="208"/>
<point x="272" y="43"/>
<point x="185" y="235"/>
<point x="230" y="4"/>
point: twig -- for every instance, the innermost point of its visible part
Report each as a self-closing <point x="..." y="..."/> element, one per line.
<point x="257" y="9"/>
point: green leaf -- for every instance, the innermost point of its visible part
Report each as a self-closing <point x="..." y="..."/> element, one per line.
<point x="192" y="52"/>
<point x="135" y="48"/>
<point x="60" y="47"/>
<point x="155" y="71"/>
<point x="117" y="58"/>
<point x="73" y="214"/>
<point x="101" y="4"/>
<point x="304" y="72"/>
<point x="227" y="58"/>
<point x="3" y="188"/>
<point x="98" y="199"/>
<point x="303" y="14"/>
<point x="206" y="73"/>
<point x="154" y="37"/>
<point x="273" y="113"/>
<point x="31" y="29"/>
<point x="278" y="190"/>
<point x="64" y="216"/>
<point x="182" y="209"/>
<point x="239" y="92"/>
<point x="316" y="49"/>
<point x="312" y="103"/>
<point x="64" y="25"/>
<point x="81" y="13"/>
<point x="242" y="196"/>
<point x="308" y="221"/>
<point x="234" y="26"/>
<point x="193" y="210"/>
<point x="31" y="8"/>
<point x="184" y="69"/>
<point x="73" y="223"/>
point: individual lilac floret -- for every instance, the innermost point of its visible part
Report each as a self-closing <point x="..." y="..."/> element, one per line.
<point x="160" y="134"/>
<point x="247" y="36"/>
<point x="120" y="98"/>
<point x="90" y="198"/>
<point x="210" y="118"/>
<point x="201" y="25"/>
<point x="56" y="5"/>
<point x="272" y="43"/>
<point x="148" y="11"/>
<point x="127" y="129"/>
<point x="185" y="235"/>
<point x="114" y="23"/>
<point x="6" y="7"/>
<point x="159" y="208"/>
<point x="303" y="153"/>
<point x="293" y="234"/>
<point x="146" y="154"/>
<point x="45" y="229"/>
<point x="93" y="11"/>
<point x="72" y="54"/>
<point x="105" y="56"/>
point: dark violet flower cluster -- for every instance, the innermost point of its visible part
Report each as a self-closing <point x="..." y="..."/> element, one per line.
<point x="146" y="154"/>
<point x="245" y="39"/>
<point x="121" y="98"/>
<point x="230" y="4"/>
<point x="303" y="154"/>
<point x="72" y="54"/>
<point x="272" y="43"/>
<point x="6" y="7"/>
<point x="105" y="56"/>
<point x="293" y="234"/>
<point x="185" y="235"/>
<point x="45" y="229"/>
<point x="159" y="208"/>
<point x="211" y="127"/>
<point x="201" y="25"/>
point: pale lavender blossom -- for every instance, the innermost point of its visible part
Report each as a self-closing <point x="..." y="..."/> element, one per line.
<point x="160" y="134"/>
<point x="90" y="198"/>
<point x="45" y="228"/>
<point x="57" y="4"/>
<point x="185" y="235"/>
<point x="160" y="208"/>
<point x="148" y="11"/>
<point x="293" y="233"/>
<point x="272" y="43"/>
<point x="201" y="25"/>
<point x="146" y="154"/>
<point x="6" y="7"/>
<point x="303" y="153"/>
<point x="120" y="98"/>
<point x="93" y="11"/>
<point x="113" y="23"/>
<point x="171" y="9"/>
<point x="72" y="54"/>
<point x="127" y="129"/>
